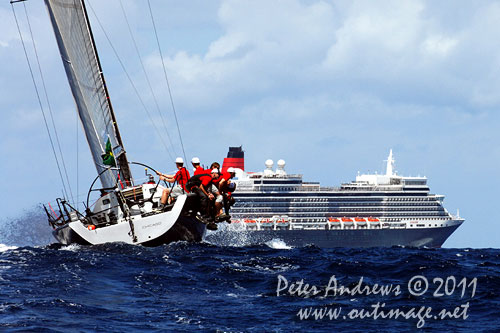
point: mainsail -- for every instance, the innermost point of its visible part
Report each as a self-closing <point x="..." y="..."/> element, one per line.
<point x="76" y="44"/>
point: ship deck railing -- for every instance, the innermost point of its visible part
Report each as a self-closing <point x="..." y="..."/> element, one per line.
<point x="342" y="226"/>
<point x="252" y="188"/>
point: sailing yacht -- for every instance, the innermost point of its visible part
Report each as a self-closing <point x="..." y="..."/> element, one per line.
<point x="125" y="211"/>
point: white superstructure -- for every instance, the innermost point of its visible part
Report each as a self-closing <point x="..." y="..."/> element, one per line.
<point x="371" y="201"/>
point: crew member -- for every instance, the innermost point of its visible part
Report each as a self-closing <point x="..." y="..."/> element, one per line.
<point x="215" y="181"/>
<point x="225" y="179"/>
<point x="218" y="199"/>
<point x="214" y="165"/>
<point x="197" y="169"/>
<point x="225" y="189"/>
<point x="201" y="185"/>
<point x="181" y="177"/>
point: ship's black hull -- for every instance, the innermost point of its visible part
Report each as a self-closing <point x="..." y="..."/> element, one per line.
<point x="429" y="237"/>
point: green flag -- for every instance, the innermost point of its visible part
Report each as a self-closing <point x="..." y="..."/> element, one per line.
<point x="108" y="158"/>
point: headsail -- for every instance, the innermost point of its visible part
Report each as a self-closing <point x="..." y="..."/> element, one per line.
<point x="76" y="45"/>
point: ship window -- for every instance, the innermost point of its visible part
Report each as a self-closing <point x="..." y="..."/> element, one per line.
<point x="106" y="202"/>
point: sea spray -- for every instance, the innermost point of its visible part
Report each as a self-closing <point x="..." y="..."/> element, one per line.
<point x="29" y="228"/>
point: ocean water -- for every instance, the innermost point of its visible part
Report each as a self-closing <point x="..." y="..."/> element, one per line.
<point x="269" y="287"/>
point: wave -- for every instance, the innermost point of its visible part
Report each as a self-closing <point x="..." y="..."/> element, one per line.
<point x="4" y="247"/>
<point x="185" y="287"/>
<point x="278" y="244"/>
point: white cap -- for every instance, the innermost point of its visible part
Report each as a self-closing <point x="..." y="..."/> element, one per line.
<point x="231" y="170"/>
<point x="179" y="160"/>
<point x="215" y="170"/>
<point x="195" y="160"/>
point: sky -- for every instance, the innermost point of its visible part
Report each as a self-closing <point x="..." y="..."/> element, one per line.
<point x="328" y="86"/>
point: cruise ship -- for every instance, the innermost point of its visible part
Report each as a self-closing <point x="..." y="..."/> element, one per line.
<point x="375" y="210"/>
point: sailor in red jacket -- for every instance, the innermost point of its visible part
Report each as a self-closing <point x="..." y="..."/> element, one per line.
<point x="225" y="188"/>
<point x="197" y="169"/>
<point x="181" y="177"/>
<point x="201" y="185"/>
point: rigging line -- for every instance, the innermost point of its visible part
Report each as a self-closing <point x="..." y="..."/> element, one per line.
<point x="77" y="167"/>
<point x="146" y="75"/>
<point x="39" y="100"/>
<point x="131" y="82"/>
<point x="166" y="79"/>
<point x="48" y="103"/>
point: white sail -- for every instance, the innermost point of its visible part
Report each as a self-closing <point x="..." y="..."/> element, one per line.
<point x="76" y="45"/>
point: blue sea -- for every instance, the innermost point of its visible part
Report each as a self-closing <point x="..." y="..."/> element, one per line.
<point x="181" y="287"/>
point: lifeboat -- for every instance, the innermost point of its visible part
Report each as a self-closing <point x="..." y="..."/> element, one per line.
<point x="374" y="222"/>
<point x="250" y="224"/>
<point x="266" y="223"/>
<point x="361" y="222"/>
<point x="333" y="223"/>
<point x="347" y="222"/>
<point x="282" y="221"/>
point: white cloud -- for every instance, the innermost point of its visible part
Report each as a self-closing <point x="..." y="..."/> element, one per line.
<point x="359" y="45"/>
<point x="375" y="34"/>
<point x="439" y="45"/>
<point x="263" y="43"/>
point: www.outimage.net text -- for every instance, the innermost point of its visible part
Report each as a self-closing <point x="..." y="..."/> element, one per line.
<point x="417" y="286"/>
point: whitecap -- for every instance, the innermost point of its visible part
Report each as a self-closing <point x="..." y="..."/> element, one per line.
<point x="4" y="247"/>
<point x="71" y="247"/>
<point x="278" y="244"/>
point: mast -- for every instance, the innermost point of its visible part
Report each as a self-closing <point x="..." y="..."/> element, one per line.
<point x="77" y="47"/>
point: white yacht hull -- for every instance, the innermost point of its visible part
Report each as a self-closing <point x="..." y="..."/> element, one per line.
<point x="155" y="229"/>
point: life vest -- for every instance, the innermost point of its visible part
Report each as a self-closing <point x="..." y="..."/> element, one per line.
<point x="196" y="181"/>
<point x="182" y="178"/>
